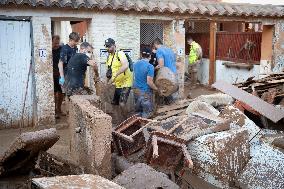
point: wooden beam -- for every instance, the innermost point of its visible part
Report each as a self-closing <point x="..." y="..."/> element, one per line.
<point x="212" y="52"/>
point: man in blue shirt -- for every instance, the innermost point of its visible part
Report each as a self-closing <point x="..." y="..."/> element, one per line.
<point x="165" y="56"/>
<point x="143" y="84"/>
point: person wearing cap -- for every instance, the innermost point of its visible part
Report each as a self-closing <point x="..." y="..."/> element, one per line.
<point x="143" y="84"/>
<point x="120" y="76"/>
<point x="76" y="70"/>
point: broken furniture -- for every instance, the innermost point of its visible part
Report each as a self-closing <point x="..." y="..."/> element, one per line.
<point x="169" y="138"/>
<point x="128" y="136"/>
<point x="20" y="157"/>
<point x="259" y="105"/>
<point x="74" y="181"/>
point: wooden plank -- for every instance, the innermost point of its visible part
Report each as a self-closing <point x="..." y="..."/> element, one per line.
<point x="170" y="114"/>
<point x="179" y="105"/>
<point x="264" y="108"/>
<point x="195" y="182"/>
<point x="176" y="126"/>
<point x="212" y="52"/>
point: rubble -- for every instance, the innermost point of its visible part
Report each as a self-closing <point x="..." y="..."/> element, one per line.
<point x="203" y="109"/>
<point x="264" y="108"/>
<point x="265" y="170"/>
<point x="50" y="165"/>
<point x="143" y="176"/>
<point x="279" y="142"/>
<point x="219" y="157"/>
<point x="74" y="181"/>
<point x="20" y="157"/>
<point x="269" y="88"/>
<point x="218" y="99"/>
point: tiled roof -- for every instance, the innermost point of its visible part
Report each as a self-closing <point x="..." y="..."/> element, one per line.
<point x="170" y="6"/>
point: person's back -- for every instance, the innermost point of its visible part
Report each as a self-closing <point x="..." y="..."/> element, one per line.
<point x="142" y="69"/>
<point x="77" y="67"/>
<point x="169" y="57"/>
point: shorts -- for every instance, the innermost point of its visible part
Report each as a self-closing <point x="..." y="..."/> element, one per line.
<point x="120" y="96"/>
<point x="57" y="86"/>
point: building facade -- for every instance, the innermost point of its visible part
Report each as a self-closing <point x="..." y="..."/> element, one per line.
<point x="27" y="30"/>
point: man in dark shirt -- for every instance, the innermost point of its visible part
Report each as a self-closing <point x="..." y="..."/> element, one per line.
<point x="58" y="96"/>
<point x="153" y="59"/>
<point x="77" y="67"/>
<point x="67" y="51"/>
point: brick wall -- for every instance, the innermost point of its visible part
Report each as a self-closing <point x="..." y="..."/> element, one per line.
<point x="43" y="76"/>
<point x="128" y="34"/>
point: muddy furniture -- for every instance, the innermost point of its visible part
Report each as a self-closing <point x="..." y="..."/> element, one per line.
<point x="169" y="139"/>
<point x="165" y="152"/>
<point x="128" y="136"/>
<point x="20" y="157"/>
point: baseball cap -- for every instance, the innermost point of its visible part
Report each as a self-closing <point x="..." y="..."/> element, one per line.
<point x="109" y="42"/>
<point x="146" y="50"/>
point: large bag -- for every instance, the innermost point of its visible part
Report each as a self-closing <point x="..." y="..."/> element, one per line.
<point x="166" y="81"/>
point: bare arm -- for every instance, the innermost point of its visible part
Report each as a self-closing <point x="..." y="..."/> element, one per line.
<point x="95" y="67"/>
<point x="60" y="66"/>
<point x="160" y="63"/>
<point x="151" y="83"/>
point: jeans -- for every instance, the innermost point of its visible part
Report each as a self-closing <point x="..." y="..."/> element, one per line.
<point x="143" y="103"/>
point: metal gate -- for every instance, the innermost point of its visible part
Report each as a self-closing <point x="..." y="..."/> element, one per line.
<point x="16" y="91"/>
<point x="149" y="31"/>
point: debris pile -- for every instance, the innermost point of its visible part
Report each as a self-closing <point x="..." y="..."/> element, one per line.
<point x="208" y="139"/>
<point x="206" y="142"/>
<point x="144" y="176"/>
<point x="270" y="88"/>
<point x="74" y="181"/>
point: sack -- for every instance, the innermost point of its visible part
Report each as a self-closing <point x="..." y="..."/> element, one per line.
<point x="109" y="72"/>
<point x="130" y="62"/>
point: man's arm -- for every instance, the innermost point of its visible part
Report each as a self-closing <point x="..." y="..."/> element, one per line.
<point x="62" y="60"/>
<point x="95" y="67"/>
<point x="160" y="59"/>
<point x="60" y="66"/>
<point x="151" y="83"/>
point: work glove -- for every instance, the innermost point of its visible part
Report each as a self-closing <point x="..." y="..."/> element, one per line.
<point x="61" y="80"/>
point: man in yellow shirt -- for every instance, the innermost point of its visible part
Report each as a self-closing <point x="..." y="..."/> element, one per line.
<point x="195" y="56"/>
<point x="120" y="74"/>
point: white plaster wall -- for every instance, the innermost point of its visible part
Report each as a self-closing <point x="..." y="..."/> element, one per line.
<point x="230" y="75"/>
